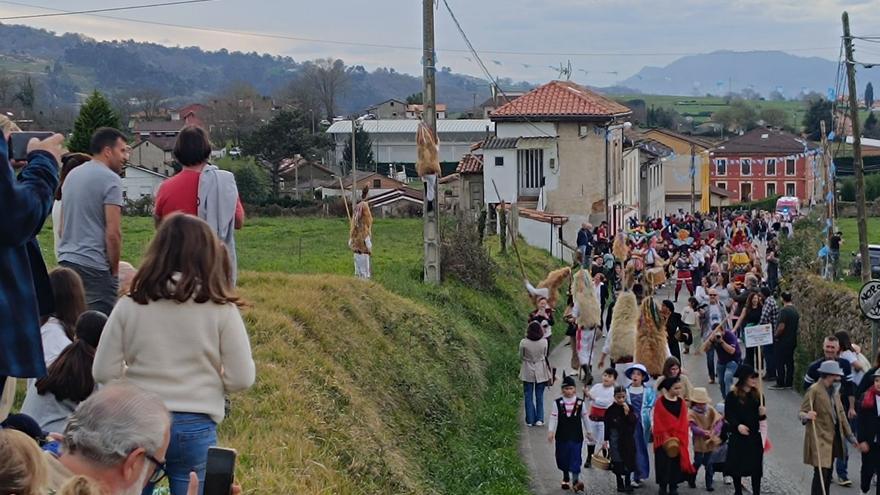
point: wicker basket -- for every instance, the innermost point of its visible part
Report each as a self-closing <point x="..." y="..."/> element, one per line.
<point x="672" y="447"/>
<point x="601" y="460"/>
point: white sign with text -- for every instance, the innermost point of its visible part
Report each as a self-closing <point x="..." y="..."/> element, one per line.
<point x="758" y="335"/>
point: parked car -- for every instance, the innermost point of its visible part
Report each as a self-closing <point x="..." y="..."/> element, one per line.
<point x="856" y="265"/>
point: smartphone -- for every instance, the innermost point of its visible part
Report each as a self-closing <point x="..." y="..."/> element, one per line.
<point x="219" y="471"/>
<point x="18" y="142"/>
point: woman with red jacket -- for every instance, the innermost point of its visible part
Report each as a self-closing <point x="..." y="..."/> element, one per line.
<point x="671" y="456"/>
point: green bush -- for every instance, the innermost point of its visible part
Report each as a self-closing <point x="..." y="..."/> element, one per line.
<point x="464" y="257"/>
<point x="848" y="188"/>
<point x="142" y="207"/>
<point x="768" y="204"/>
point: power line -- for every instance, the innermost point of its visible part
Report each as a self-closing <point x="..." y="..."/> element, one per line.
<point x="95" y="11"/>
<point x="376" y="45"/>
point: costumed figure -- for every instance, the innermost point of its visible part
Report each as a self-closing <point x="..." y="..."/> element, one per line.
<point x="638" y="251"/>
<point x="655" y="271"/>
<point x="620" y="439"/>
<point x="568" y="421"/>
<point x="549" y="287"/>
<point x="683" y="241"/>
<point x="622" y="337"/>
<point x="588" y="317"/>
<point x="428" y="162"/>
<point x="651" y="340"/>
<point x="620" y="249"/>
<point x="740" y="261"/>
<point x="360" y="237"/>
<point x="641" y="398"/>
<point x="600" y="396"/>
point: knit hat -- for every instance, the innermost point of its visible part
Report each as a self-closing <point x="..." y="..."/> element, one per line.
<point x="568" y="381"/>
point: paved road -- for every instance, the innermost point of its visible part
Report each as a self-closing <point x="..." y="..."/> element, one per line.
<point x="784" y="472"/>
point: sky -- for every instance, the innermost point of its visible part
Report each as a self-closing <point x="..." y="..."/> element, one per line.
<point x="605" y="40"/>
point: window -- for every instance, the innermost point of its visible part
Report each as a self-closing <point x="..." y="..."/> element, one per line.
<point x="745" y="191"/>
<point x="790" y="189"/>
<point x="499" y="161"/>
<point x="155" y="169"/>
<point x="771" y="189"/>
<point x="771" y="166"/>
<point x="721" y="167"/>
<point x="377" y="183"/>
<point x="745" y="165"/>
<point x="721" y="185"/>
<point x="789" y="166"/>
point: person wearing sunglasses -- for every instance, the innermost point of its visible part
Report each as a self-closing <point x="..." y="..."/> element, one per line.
<point x="117" y="437"/>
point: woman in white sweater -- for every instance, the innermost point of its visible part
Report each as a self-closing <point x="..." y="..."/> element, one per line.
<point x="180" y="335"/>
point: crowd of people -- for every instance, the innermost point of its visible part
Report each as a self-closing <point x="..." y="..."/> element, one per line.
<point x="646" y="405"/>
<point x="127" y="371"/>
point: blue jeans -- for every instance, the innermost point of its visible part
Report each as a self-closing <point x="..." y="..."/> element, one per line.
<point x="533" y="395"/>
<point x="842" y="463"/>
<point x="710" y="362"/>
<point x="725" y="376"/>
<point x="191" y="435"/>
<point x="702" y="459"/>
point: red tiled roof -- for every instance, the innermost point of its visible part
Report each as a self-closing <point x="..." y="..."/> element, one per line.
<point x="164" y="143"/>
<point x="761" y="141"/>
<point x="159" y="126"/>
<point x="470" y="164"/>
<point x="561" y="100"/>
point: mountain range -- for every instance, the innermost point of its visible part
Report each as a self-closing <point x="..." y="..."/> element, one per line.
<point x="721" y="72"/>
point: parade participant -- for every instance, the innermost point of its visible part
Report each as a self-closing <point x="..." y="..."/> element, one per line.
<point x="690" y="317"/>
<point x="567" y="425"/>
<point x="549" y="287"/>
<point x="585" y="243"/>
<point x="534" y="372"/>
<point x="641" y="398"/>
<point x="601" y="236"/>
<point x="869" y="432"/>
<point x="652" y="347"/>
<point x="705" y="423"/>
<point x="676" y="331"/>
<point x="571" y="333"/>
<point x="670" y="429"/>
<point x="683" y="272"/>
<point x="600" y="396"/>
<point x="827" y="428"/>
<point x="543" y="314"/>
<point x="749" y="316"/>
<point x="621" y="342"/>
<point x="866" y="384"/>
<point x="672" y="369"/>
<point x="784" y="342"/>
<point x="620" y="439"/>
<point x="361" y="236"/>
<point x="588" y="317"/>
<point x="743" y="412"/>
<point x="769" y="316"/>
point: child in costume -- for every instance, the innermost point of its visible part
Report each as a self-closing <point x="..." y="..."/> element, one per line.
<point x="641" y="399"/>
<point x="567" y="424"/>
<point x="620" y="434"/>
<point x="705" y="424"/>
<point x="600" y="396"/>
<point x="671" y="442"/>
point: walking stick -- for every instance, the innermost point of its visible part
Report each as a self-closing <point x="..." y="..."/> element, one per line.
<point x="818" y="454"/>
<point x="345" y="201"/>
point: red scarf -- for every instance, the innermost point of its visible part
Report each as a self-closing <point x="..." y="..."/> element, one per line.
<point x="870" y="400"/>
<point x="667" y="426"/>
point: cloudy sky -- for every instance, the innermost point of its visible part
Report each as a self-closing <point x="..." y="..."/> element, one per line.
<point x="606" y="40"/>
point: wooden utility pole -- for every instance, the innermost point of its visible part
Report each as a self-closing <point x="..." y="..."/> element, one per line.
<point x="693" y="174"/>
<point x="431" y="232"/>
<point x="861" y="210"/>
<point x="353" y="163"/>
<point x="828" y="185"/>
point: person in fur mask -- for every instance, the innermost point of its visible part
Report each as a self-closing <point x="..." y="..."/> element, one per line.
<point x="360" y="237"/>
<point x="588" y="317"/>
<point x="620" y="345"/>
<point x="651" y="341"/>
<point x="549" y="287"/>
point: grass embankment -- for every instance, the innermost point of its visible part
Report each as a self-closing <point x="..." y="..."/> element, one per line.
<point x="851" y="244"/>
<point x="379" y="387"/>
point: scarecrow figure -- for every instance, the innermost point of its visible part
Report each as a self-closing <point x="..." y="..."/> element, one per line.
<point x="428" y="162"/>
<point x="360" y="237"/>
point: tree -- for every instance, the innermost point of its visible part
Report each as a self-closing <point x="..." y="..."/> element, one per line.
<point x="773" y="117"/>
<point x="95" y="112"/>
<point x="663" y="117"/>
<point x="27" y="93"/>
<point x="287" y="135"/>
<point x="151" y="102"/>
<point x="776" y="95"/>
<point x="738" y="116"/>
<point x="414" y="99"/>
<point x="364" y="146"/>
<point x="328" y="78"/>
<point x="252" y="183"/>
<point x="872" y="127"/>
<point x="869" y="95"/>
<point x="818" y="109"/>
<point x="234" y="112"/>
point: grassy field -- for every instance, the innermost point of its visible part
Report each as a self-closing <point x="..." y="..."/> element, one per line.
<point x="389" y="386"/>
<point x="851" y="244"/>
<point x="701" y="107"/>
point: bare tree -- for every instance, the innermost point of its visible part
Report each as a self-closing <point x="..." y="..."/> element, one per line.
<point x="6" y="86"/>
<point x="328" y="79"/>
<point x="236" y="112"/>
<point x="299" y="94"/>
<point x="151" y="102"/>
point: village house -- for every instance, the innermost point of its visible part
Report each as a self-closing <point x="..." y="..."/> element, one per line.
<point x="416" y="111"/>
<point x="158" y="128"/>
<point x="687" y="151"/>
<point x="394" y="142"/>
<point x="764" y="163"/>
<point x="192" y="114"/>
<point x="404" y="202"/>
<point x="139" y="182"/>
<point x="153" y="153"/>
<point x="378" y="184"/>
<point x="647" y="190"/>
<point x="499" y="99"/>
<point x="301" y="177"/>
<point x="470" y="178"/>
<point x="553" y="155"/>
<point x="389" y="109"/>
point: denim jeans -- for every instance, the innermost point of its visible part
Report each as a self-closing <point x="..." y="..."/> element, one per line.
<point x="725" y="376"/>
<point x="533" y="395"/>
<point x="842" y="463"/>
<point x="702" y="459"/>
<point x="100" y="285"/>
<point x="710" y="362"/>
<point x="191" y="435"/>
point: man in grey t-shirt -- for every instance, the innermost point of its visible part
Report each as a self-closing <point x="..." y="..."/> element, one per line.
<point x="92" y="214"/>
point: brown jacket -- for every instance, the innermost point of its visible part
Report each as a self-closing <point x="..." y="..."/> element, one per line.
<point x="821" y="443"/>
<point x="534" y="367"/>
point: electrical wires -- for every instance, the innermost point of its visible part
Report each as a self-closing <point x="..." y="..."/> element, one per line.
<point x="96" y="11"/>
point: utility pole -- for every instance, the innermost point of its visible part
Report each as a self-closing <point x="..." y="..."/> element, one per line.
<point x="828" y="185"/>
<point x="431" y="232"/>
<point x="353" y="163"/>
<point x="857" y="151"/>
<point x="693" y="178"/>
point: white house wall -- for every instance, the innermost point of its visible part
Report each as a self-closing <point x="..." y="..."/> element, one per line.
<point x="541" y="235"/>
<point x="137" y="184"/>
<point x="525" y="129"/>
<point x="504" y="176"/>
<point x="401" y="148"/>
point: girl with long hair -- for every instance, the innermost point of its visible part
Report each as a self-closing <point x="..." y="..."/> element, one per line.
<point x="743" y="412"/>
<point x="57" y="330"/>
<point x="179" y="334"/>
<point x="69" y="380"/>
<point x="670" y="428"/>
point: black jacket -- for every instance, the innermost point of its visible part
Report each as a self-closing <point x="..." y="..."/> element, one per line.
<point x="869" y="425"/>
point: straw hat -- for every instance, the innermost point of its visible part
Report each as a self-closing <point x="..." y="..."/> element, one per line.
<point x="699" y="395"/>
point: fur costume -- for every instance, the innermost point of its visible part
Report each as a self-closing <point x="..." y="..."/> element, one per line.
<point x="651" y="345"/>
<point x="428" y="161"/>
<point x="361" y="228"/>
<point x="620" y="248"/>
<point x="624" y="324"/>
<point x="589" y="312"/>
<point x="549" y="287"/>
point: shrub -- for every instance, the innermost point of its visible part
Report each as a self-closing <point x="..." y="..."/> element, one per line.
<point x="464" y="257"/>
<point x="141" y="207"/>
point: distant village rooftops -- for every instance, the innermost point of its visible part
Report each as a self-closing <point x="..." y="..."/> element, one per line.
<point x="561" y="101"/>
<point x="762" y="140"/>
<point x="407" y="126"/>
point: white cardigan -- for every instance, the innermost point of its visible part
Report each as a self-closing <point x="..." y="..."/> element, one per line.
<point x="189" y="354"/>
